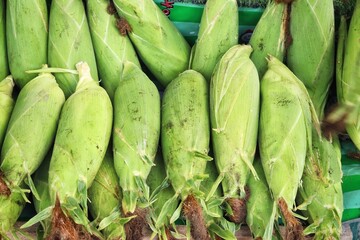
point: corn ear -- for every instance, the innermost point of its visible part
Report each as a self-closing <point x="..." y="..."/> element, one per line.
<point x="158" y="42"/>
<point x="348" y="87"/>
<point x="27" y="37"/>
<point x="261" y="208"/>
<point x="6" y="105"/>
<point x="269" y="35"/>
<point x="76" y="148"/>
<point x="111" y="48"/>
<point x="218" y="31"/>
<point x="218" y="226"/>
<point x="235" y="125"/>
<point x="320" y="194"/>
<point x="10" y="207"/>
<point x="69" y="42"/>
<point x="136" y="133"/>
<point x="105" y="198"/>
<point x="311" y="56"/>
<point x="161" y="191"/>
<point x="286" y="119"/>
<point x="41" y="182"/>
<point x="4" y="66"/>
<point x="186" y="123"/>
<point x="31" y="129"/>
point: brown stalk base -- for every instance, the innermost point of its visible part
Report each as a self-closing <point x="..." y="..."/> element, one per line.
<point x="238" y="207"/>
<point x="193" y="213"/>
<point x="293" y="228"/>
<point x="4" y="189"/>
<point x="258" y="238"/>
<point x="64" y="228"/>
<point x="134" y="228"/>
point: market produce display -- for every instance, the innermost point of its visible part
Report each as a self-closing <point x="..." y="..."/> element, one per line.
<point x="114" y="126"/>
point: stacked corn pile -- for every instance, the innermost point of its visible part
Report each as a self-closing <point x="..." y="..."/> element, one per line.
<point x="240" y="135"/>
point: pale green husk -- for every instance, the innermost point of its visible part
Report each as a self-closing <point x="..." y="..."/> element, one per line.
<point x="111" y="49"/>
<point x="69" y="42"/>
<point x="261" y="207"/>
<point x="41" y="182"/>
<point x="218" y="31"/>
<point x="78" y="152"/>
<point x="286" y="119"/>
<point x="6" y="105"/>
<point x="213" y="211"/>
<point x="4" y="66"/>
<point x="31" y="129"/>
<point x="320" y="195"/>
<point x="185" y="137"/>
<point x="348" y="75"/>
<point x="269" y="35"/>
<point x="158" y="42"/>
<point x="234" y="124"/>
<point x="105" y="198"/>
<point x="10" y="209"/>
<point x="161" y="191"/>
<point x="311" y="56"/>
<point x="136" y="133"/>
<point x="27" y="37"/>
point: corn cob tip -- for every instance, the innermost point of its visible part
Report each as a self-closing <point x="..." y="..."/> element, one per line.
<point x="7" y="85"/>
<point x="84" y="72"/>
<point x="134" y="228"/>
<point x="193" y="213"/>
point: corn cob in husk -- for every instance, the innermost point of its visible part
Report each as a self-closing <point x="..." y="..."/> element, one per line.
<point x="311" y="56"/>
<point x="158" y="42"/>
<point x="136" y="134"/>
<point x="218" y="31"/>
<point x="27" y="37"/>
<point x="41" y="183"/>
<point x="217" y="225"/>
<point x="286" y="120"/>
<point x="10" y="208"/>
<point x="161" y="191"/>
<point x="111" y="49"/>
<point x="31" y="130"/>
<point x="235" y="124"/>
<point x="6" y="105"/>
<point x="69" y="42"/>
<point x="270" y="35"/>
<point x="81" y="141"/>
<point x="320" y="195"/>
<point x="261" y="207"/>
<point x="4" y="67"/>
<point x="348" y="74"/>
<point x="105" y="199"/>
<point x="185" y="139"/>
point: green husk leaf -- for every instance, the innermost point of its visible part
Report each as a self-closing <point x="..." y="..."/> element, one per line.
<point x="44" y="214"/>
